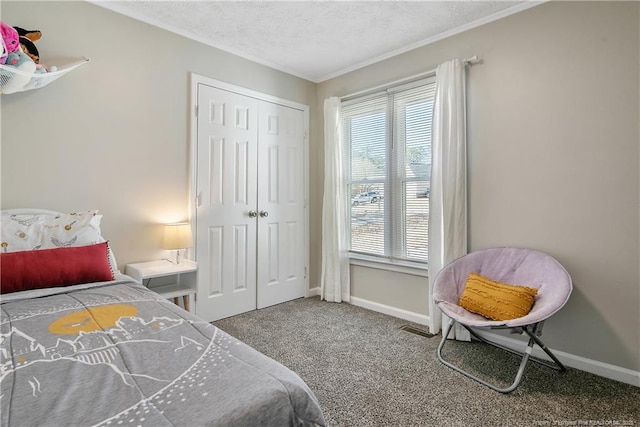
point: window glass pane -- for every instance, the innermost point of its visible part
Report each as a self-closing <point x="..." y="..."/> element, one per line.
<point x="418" y="139"/>
<point x="368" y="146"/>
<point x="413" y="110"/>
<point x="367" y="218"/>
<point x="416" y="216"/>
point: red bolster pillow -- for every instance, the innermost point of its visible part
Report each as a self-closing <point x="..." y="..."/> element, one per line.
<point x="47" y="268"/>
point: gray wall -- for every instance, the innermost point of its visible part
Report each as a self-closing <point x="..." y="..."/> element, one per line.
<point x="553" y="141"/>
<point x="113" y="135"/>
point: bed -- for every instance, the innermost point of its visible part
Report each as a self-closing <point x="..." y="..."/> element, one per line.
<point x="111" y="352"/>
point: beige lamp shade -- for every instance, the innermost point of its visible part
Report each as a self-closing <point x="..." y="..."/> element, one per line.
<point x="177" y="236"/>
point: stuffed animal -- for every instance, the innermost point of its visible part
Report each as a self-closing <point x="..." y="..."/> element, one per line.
<point x="14" y="82"/>
<point x="27" y="39"/>
<point x="9" y="41"/>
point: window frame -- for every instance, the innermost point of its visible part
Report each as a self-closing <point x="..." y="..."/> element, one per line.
<point x="394" y="187"/>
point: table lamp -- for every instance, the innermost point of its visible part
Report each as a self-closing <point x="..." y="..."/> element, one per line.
<point x="177" y="237"/>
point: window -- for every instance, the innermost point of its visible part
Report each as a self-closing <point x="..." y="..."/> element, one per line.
<point x="388" y="158"/>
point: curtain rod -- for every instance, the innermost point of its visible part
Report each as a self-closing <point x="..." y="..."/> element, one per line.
<point x="469" y="61"/>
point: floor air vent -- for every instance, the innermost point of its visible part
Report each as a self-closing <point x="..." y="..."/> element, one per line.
<point x="416" y="331"/>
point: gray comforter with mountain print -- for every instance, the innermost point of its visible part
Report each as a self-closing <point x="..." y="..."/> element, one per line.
<point x="119" y="354"/>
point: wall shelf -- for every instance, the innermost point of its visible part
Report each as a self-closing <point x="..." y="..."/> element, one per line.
<point x="13" y="80"/>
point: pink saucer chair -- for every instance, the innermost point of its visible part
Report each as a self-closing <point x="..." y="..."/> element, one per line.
<point x="513" y="266"/>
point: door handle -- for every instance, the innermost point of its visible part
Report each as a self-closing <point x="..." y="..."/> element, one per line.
<point x="253" y="214"/>
<point x="264" y="214"/>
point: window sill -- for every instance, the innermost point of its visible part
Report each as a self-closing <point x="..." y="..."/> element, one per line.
<point x="405" y="267"/>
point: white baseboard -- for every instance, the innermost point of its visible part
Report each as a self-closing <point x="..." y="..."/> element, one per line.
<point x="314" y="292"/>
<point x="411" y="316"/>
<point x="595" y="367"/>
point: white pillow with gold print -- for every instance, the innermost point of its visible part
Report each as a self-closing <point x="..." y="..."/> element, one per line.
<point x="30" y="232"/>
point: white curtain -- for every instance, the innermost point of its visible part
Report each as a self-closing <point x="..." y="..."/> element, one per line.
<point x="448" y="193"/>
<point x="335" y="283"/>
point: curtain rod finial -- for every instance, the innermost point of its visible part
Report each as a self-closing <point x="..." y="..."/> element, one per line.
<point x="472" y="60"/>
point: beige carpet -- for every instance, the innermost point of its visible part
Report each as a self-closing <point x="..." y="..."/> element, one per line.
<point x="366" y="371"/>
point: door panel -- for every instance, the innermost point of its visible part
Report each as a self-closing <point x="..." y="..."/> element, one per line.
<point x="281" y="196"/>
<point x="226" y="177"/>
<point x="216" y="261"/>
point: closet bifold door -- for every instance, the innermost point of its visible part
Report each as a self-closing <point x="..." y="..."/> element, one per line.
<point x="227" y="166"/>
<point x="250" y="216"/>
<point x="281" y="204"/>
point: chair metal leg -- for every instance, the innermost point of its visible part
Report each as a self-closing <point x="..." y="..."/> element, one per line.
<point x="533" y="339"/>
<point x="558" y="366"/>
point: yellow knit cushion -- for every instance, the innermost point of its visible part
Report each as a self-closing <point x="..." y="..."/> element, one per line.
<point x="495" y="300"/>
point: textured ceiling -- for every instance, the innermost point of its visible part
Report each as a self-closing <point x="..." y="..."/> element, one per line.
<point x="315" y="40"/>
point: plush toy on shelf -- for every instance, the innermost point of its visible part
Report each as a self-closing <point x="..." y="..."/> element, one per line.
<point x="13" y="82"/>
<point x="28" y="46"/>
<point x="13" y="58"/>
<point x="27" y="42"/>
<point x="10" y="41"/>
<point x="21" y="68"/>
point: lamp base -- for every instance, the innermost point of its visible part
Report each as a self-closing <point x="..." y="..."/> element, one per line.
<point x="179" y="256"/>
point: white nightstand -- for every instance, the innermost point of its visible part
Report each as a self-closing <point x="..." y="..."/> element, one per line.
<point x="183" y="286"/>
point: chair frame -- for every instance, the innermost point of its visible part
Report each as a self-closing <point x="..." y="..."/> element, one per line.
<point x="533" y="331"/>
